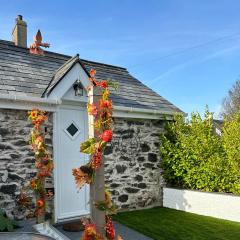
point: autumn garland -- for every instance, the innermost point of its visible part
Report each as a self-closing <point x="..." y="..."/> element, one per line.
<point x="102" y="112"/>
<point x="43" y="163"/>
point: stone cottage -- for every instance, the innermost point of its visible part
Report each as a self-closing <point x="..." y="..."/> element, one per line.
<point x="48" y="82"/>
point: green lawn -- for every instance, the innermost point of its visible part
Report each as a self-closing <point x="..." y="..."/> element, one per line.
<point x="168" y="224"/>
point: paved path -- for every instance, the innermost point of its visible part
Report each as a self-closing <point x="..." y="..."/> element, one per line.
<point x="125" y="232"/>
<point x="128" y="233"/>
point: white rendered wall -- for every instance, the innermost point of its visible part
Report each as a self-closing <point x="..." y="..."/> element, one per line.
<point x="224" y="206"/>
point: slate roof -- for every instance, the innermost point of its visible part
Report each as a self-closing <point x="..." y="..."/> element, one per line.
<point x="22" y="73"/>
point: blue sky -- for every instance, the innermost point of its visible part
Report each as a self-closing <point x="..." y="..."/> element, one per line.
<point x="188" y="51"/>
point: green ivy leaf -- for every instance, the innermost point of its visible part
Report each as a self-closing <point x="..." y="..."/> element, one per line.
<point x="88" y="146"/>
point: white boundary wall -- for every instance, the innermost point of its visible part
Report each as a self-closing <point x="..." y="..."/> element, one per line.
<point x="224" y="206"/>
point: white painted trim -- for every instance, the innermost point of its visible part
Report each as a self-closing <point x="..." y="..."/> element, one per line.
<point x="27" y="103"/>
<point x="20" y="105"/>
<point x="129" y="112"/>
<point x="90" y="117"/>
<point x="71" y="104"/>
<point x="218" y="205"/>
<point x="55" y="157"/>
<point x="31" y="99"/>
<point x="119" y="114"/>
<point x="142" y="110"/>
<point x="73" y="215"/>
<point x="70" y="219"/>
<point x="50" y="231"/>
<point x="26" y="106"/>
<point x="77" y="72"/>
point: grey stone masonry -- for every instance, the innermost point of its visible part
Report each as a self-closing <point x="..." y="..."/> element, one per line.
<point x="17" y="166"/>
<point x="132" y="164"/>
<point x="132" y="171"/>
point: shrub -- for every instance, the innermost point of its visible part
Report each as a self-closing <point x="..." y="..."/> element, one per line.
<point x="194" y="157"/>
<point x="6" y="224"/>
<point x="231" y="144"/>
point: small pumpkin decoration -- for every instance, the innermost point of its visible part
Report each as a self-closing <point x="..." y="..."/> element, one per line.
<point x="107" y="136"/>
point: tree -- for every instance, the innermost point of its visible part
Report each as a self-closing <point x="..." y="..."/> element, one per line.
<point x="231" y="103"/>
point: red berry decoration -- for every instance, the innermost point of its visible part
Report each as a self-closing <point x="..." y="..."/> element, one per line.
<point x="107" y="136"/>
<point x="102" y="84"/>
<point x="110" y="231"/>
<point x="40" y="203"/>
<point x="97" y="160"/>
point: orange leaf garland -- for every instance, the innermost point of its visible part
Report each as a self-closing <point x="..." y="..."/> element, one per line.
<point x="43" y="162"/>
<point x="102" y="112"/>
<point x="92" y="109"/>
<point x="24" y="200"/>
<point x="92" y="72"/>
<point x="82" y="175"/>
<point x="105" y="103"/>
<point x="37" y="117"/>
<point x="90" y="233"/>
<point x="102" y="84"/>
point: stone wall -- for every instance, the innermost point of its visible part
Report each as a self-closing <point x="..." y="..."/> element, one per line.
<point x="16" y="158"/>
<point x="132" y="164"/>
<point x="132" y="161"/>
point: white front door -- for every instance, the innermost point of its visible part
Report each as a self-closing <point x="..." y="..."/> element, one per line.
<point x="70" y="131"/>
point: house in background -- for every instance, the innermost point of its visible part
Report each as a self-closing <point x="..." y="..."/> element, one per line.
<point x="47" y="82"/>
<point x="218" y="125"/>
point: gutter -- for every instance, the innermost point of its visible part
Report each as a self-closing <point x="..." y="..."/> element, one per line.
<point x="29" y="99"/>
<point x="8" y="101"/>
<point x="55" y="102"/>
<point x="141" y="110"/>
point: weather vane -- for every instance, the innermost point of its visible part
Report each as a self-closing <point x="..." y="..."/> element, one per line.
<point x="35" y="47"/>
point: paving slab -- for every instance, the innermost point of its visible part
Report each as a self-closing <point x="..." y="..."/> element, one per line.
<point x="126" y="233"/>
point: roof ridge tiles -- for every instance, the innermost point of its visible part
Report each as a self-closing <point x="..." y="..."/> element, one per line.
<point x="75" y="58"/>
<point x="102" y="64"/>
<point x="7" y="42"/>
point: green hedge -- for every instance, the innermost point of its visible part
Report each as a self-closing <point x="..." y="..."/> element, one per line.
<point x="195" y="157"/>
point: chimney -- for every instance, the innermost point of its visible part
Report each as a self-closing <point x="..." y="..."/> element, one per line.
<point x="19" y="34"/>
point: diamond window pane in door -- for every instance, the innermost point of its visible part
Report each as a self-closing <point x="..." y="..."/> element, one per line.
<point x="72" y="130"/>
